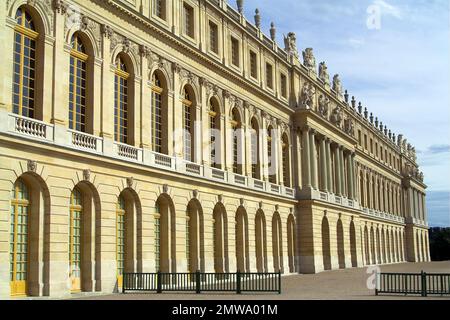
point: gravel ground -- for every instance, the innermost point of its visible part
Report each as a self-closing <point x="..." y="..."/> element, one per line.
<point x="330" y="285"/>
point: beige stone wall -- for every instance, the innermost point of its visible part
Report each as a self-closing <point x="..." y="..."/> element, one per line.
<point x="317" y="225"/>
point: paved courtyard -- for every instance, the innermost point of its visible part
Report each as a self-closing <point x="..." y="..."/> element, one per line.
<point x="338" y="284"/>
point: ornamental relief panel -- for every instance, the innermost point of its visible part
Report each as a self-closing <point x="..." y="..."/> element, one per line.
<point x="43" y="6"/>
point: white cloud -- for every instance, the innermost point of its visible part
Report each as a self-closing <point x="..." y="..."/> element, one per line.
<point x="389" y="9"/>
<point x="356" y="42"/>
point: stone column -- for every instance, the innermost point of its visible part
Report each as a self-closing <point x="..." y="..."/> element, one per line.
<point x="306" y="173"/>
<point x="107" y="92"/>
<point x="341" y="169"/>
<point x="61" y="67"/>
<point x="350" y="194"/>
<point x="323" y="165"/>
<point x="146" y="101"/>
<point x="328" y="165"/>
<point x="337" y="168"/>
<point x="313" y="158"/>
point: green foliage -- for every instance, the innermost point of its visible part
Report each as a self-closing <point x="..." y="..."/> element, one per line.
<point x="439" y="244"/>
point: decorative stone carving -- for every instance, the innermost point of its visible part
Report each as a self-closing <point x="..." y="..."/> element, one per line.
<point x="273" y="32"/>
<point x="31" y="166"/>
<point x="257" y="18"/>
<point x="130" y="182"/>
<point x="144" y="51"/>
<point x="186" y="75"/>
<point x="59" y="6"/>
<point x="336" y="116"/>
<point x="323" y="73"/>
<point x="309" y="61"/>
<point x="349" y="127"/>
<point x="307" y="96"/>
<point x="290" y="44"/>
<point x="399" y="140"/>
<point x="240" y="6"/>
<point x="337" y="86"/>
<point x="86" y="175"/>
<point x="107" y="31"/>
<point x="324" y="104"/>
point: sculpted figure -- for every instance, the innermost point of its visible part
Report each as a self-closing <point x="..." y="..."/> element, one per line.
<point x="323" y="73"/>
<point x="307" y="98"/>
<point x="336" y="116"/>
<point x="324" y="102"/>
<point x="337" y="86"/>
<point x="349" y="126"/>
<point x="290" y="44"/>
<point x="309" y="61"/>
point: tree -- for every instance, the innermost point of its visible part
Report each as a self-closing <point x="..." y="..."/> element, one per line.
<point x="439" y="244"/>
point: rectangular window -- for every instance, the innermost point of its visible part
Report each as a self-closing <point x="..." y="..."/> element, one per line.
<point x="159" y="8"/>
<point x="365" y="141"/>
<point x="283" y="85"/>
<point x="235" y="52"/>
<point x="253" y="65"/>
<point x="188" y="20"/>
<point x="376" y="149"/>
<point x="213" y="37"/>
<point x="371" y="145"/>
<point x="359" y="137"/>
<point x="269" y="76"/>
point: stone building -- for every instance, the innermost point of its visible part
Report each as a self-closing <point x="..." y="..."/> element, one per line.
<point x="174" y="135"/>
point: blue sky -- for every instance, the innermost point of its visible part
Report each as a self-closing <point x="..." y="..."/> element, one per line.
<point x="399" y="70"/>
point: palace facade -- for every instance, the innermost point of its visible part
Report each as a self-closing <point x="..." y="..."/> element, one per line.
<point x="174" y="135"/>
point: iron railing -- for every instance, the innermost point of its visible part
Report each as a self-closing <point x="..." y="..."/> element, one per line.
<point x="202" y="282"/>
<point x="413" y="283"/>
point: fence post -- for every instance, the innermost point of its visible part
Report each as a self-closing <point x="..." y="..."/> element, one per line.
<point x="279" y="281"/>
<point x="158" y="282"/>
<point x="376" y="283"/>
<point x="424" y="284"/>
<point x="238" y="282"/>
<point x="197" y="281"/>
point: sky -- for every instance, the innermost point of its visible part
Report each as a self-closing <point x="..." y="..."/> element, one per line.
<point x="394" y="57"/>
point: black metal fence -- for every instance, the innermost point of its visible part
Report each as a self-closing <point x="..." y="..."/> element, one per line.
<point x="202" y="282"/>
<point x="413" y="283"/>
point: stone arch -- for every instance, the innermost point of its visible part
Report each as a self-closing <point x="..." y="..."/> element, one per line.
<point x="218" y="103"/>
<point x="286" y="159"/>
<point x="192" y="89"/>
<point x="383" y="246"/>
<point x="90" y="260"/>
<point x="326" y="252"/>
<point x="130" y="58"/>
<point x="132" y="231"/>
<point x="340" y="244"/>
<point x="242" y="243"/>
<point x="37" y="257"/>
<point x="88" y="40"/>
<point x="378" y="244"/>
<point x="38" y="10"/>
<point x="372" y="246"/>
<point x="261" y="241"/>
<point x="388" y="246"/>
<point x="220" y="234"/>
<point x="195" y="241"/>
<point x="292" y="242"/>
<point x="353" y="254"/>
<point x="277" y="243"/>
<point x="366" y="245"/>
<point x="165" y="220"/>
<point x="163" y="74"/>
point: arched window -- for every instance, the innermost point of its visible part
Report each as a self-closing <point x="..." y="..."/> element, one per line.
<point x="188" y="128"/>
<point x="18" y="253"/>
<point x="255" y="149"/>
<point x="121" y="101"/>
<point x="24" y="65"/>
<point x="214" y="128"/>
<point x="271" y="164"/>
<point x="120" y="239"/>
<point x="77" y="85"/>
<point x="286" y="165"/>
<point x="75" y="232"/>
<point x="236" y="125"/>
<point x="157" y="91"/>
